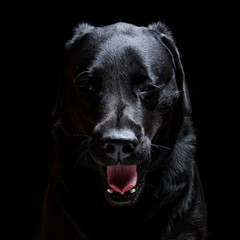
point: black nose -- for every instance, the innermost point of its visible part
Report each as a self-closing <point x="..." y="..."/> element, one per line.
<point x="118" y="146"/>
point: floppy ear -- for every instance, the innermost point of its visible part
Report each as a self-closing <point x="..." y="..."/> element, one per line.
<point x="167" y="40"/>
<point x="78" y="32"/>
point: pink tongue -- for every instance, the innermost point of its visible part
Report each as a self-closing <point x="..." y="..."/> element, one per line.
<point x="122" y="178"/>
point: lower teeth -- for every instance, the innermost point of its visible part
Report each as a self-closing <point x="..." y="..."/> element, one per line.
<point x="111" y="191"/>
<point x="132" y="190"/>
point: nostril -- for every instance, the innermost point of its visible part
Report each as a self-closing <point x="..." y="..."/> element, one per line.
<point x="117" y="144"/>
<point x="109" y="148"/>
<point x="128" y="148"/>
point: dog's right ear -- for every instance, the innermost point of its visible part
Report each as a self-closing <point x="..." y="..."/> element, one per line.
<point x="78" y="32"/>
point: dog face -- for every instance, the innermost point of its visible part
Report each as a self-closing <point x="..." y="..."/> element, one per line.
<point x="124" y="96"/>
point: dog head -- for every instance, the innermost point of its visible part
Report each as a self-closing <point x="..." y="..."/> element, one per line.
<point x="123" y="95"/>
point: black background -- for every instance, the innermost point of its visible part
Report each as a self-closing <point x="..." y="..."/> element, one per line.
<point x="36" y="35"/>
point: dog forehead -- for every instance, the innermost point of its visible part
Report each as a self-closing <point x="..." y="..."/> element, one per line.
<point x="122" y="44"/>
<point x="116" y="38"/>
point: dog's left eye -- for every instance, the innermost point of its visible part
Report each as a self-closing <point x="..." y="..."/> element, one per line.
<point x="148" y="88"/>
<point x="149" y="94"/>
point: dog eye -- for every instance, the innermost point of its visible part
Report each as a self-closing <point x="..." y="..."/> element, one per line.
<point x="87" y="87"/>
<point x="86" y="83"/>
<point x="149" y="95"/>
<point x="148" y="88"/>
<point x="91" y="88"/>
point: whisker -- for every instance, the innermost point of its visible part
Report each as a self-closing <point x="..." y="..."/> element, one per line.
<point x="160" y="146"/>
<point x="93" y="123"/>
<point x="79" y="147"/>
<point x="82" y="135"/>
<point x="79" y="133"/>
<point x="82" y="154"/>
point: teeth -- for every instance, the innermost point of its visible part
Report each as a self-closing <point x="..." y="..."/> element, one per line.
<point x="110" y="190"/>
<point x="132" y="190"/>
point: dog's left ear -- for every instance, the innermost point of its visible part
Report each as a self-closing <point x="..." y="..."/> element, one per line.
<point x="165" y="36"/>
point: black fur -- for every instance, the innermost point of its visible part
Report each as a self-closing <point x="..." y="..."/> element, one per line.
<point x="123" y="99"/>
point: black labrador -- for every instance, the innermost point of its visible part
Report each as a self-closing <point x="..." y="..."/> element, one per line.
<point x="125" y="145"/>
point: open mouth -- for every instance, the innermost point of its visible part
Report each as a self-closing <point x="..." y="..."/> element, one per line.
<point x="122" y="184"/>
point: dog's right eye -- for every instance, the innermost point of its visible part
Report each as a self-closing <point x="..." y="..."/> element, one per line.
<point x="90" y="88"/>
<point x="85" y="83"/>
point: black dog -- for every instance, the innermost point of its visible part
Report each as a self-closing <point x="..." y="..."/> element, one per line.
<point x="125" y="144"/>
